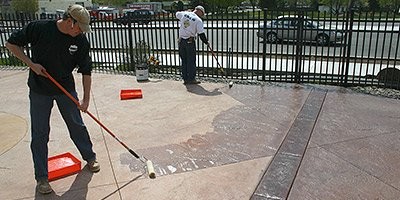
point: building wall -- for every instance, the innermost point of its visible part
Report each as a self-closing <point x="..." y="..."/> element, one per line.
<point x="51" y="6"/>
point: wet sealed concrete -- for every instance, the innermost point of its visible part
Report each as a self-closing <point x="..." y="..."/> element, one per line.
<point x="243" y="132"/>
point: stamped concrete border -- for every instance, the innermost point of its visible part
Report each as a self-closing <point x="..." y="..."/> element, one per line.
<point x="279" y="177"/>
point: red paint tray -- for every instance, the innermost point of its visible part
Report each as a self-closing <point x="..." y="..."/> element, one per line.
<point x="131" y="94"/>
<point x="63" y="165"/>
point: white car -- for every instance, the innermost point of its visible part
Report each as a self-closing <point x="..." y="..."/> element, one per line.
<point x="285" y="28"/>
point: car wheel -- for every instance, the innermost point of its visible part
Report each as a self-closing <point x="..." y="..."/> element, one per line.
<point x="272" y="37"/>
<point x="322" y="39"/>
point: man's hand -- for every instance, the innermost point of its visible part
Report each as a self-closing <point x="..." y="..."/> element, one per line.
<point x="20" y="54"/>
<point x="38" y="69"/>
<point x="83" y="105"/>
<point x="86" y="82"/>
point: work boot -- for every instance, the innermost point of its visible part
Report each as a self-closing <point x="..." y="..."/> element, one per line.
<point x="193" y="82"/>
<point x="43" y="187"/>
<point x="93" y="166"/>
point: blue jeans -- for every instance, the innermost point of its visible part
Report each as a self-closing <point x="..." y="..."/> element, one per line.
<point x="187" y="52"/>
<point x="40" y="110"/>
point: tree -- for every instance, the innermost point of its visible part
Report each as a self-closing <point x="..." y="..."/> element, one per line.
<point x="216" y="5"/>
<point x="179" y="6"/>
<point x="336" y="6"/>
<point x="271" y="4"/>
<point x="373" y="5"/>
<point x="111" y="2"/>
<point x="25" y="6"/>
<point x="393" y="5"/>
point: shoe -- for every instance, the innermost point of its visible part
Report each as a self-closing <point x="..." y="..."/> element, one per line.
<point x="193" y="82"/>
<point x="43" y="187"/>
<point x="93" y="166"/>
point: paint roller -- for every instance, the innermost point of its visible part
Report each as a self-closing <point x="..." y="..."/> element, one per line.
<point x="220" y="67"/>
<point x="149" y="164"/>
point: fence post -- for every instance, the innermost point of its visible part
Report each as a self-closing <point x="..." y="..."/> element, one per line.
<point x="299" y="46"/>
<point x="131" y="56"/>
<point x="264" y="55"/>
<point x="349" y="28"/>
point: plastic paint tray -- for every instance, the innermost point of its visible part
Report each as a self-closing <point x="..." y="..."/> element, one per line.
<point x="63" y="165"/>
<point x="131" y="94"/>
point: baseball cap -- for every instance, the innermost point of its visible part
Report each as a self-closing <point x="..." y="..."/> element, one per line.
<point x="200" y="8"/>
<point x="81" y="15"/>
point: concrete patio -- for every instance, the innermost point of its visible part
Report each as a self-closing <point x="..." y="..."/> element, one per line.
<point x="272" y="141"/>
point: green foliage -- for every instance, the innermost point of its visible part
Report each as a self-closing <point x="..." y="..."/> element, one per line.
<point x="125" y="68"/>
<point x="141" y="52"/>
<point x="215" y="5"/>
<point x="393" y="5"/>
<point x="12" y="60"/>
<point x="373" y="5"/>
<point x="268" y="4"/>
<point x="179" y="5"/>
<point x="111" y="2"/>
<point x="141" y="55"/>
<point x="25" y="6"/>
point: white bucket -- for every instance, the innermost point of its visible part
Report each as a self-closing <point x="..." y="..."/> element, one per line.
<point x="142" y="73"/>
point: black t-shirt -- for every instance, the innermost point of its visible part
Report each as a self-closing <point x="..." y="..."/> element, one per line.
<point x="54" y="51"/>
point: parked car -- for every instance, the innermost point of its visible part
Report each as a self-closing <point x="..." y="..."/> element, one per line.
<point x="136" y="16"/>
<point x="285" y="28"/>
<point x="45" y="15"/>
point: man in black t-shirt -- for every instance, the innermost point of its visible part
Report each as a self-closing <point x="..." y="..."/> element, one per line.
<point x="58" y="47"/>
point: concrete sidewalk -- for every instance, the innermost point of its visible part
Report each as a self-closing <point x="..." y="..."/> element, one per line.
<point x="276" y="141"/>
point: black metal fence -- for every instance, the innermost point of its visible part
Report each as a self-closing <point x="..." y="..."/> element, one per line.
<point x="349" y="49"/>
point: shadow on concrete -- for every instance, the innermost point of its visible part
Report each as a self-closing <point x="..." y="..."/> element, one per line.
<point x="197" y="89"/>
<point x="129" y="182"/>
<point x="78" y="189"/>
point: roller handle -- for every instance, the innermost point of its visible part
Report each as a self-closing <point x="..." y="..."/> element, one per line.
<point x="149" y="164"/>
<point x="61" y="87"/>
<point x="87" y="112"/>
<point x="213" y="54"/>
<point x="133" y="153"/>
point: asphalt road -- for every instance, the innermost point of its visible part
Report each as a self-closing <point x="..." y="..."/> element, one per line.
<point x="368" y="40"/>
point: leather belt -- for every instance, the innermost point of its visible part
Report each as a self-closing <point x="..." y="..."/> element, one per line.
<point x="189" y="40"/>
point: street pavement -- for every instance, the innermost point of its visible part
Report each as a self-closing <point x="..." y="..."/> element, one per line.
<point x="206" y="141"/>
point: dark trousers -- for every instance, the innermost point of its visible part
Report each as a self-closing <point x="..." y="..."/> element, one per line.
<point x="40" y="110"/>
<point x="187" y="53"/>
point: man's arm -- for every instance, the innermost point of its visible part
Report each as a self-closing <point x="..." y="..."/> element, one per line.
<point x="20" y="54"/>
<point x="87" y="84"/>
<point x="203" y="38"/>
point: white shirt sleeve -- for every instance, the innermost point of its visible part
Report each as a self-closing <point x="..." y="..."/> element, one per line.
<point x="200" y="26"/>
<point x="179" y="15"/>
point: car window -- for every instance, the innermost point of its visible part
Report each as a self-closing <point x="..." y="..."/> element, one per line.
<point x="293" y="22"/>
<point x="278" y="22"/>
<point x="311" y="24"/>
<point x="286" y="23"/>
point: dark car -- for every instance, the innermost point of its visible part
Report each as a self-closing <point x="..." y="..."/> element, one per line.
<point x="135" y="16"/>
<point x="285" y="28"/>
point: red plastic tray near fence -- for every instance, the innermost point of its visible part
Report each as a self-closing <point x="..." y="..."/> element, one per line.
<point x="63" y="165"/>
<point x="131" y="94"/>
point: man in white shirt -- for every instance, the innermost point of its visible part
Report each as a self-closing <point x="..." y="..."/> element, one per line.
<point x="191" y="26"/>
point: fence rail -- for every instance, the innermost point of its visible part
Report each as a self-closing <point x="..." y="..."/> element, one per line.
<point x="368" y="53"/>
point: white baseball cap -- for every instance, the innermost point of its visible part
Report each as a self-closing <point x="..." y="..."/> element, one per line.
<point x="81" y="15"/>
<point x="201" y="8"/>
